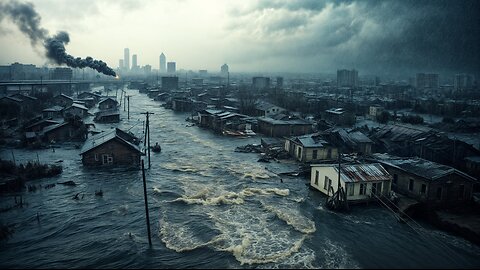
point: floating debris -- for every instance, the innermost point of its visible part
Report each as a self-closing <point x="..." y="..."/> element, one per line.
<point x="68" y="183"/>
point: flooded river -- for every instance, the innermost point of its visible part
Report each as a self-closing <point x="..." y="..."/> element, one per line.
<point x="210" y="207"/>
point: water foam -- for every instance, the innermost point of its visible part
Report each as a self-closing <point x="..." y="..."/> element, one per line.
<point x="252" y="239"/>
<point x="291" y="216"/>
<point x="203" y="197"/>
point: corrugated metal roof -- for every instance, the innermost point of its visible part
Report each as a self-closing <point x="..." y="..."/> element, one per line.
<point x="363" y="173"/>
<point x="424" y="168"/>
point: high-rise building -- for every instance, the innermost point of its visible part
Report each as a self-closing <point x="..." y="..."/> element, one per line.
<point x="169" y="83"/>
<point x="426" y="80"/>
<point x="171" y="67"/>
<point x="62" y="74"/>
<point x="463" y="81"/>
<point x="134" y="62"/>
<point x="120" y="64"/>
<point x="279" y="82"/>
<point x="224" y="69"/>
<point x="163" y="63"/>
<point x="126" y="59"/>
<point x="347" y="78"/>
<point x="260" y="83"/>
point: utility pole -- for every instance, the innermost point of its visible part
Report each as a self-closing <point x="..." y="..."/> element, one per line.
<point x="128" y="113"/>
<point x="146" y="204"/>
<point x="147" y="133"/>
<point x="125" y="100"/>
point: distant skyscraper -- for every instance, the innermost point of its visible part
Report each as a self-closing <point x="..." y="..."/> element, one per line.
<point x="134" y="61"/>
<point x="260" y="83"/>
<point x="126" y="58"/>
<point x="171" y="67"/>
<point x="426" y="80"/>
<point x="224" y="69"/>
<point x="120" y="64"/>
<point x="463" y="81"/>
<point x="347" y="78"/>
<point x="279" y="82"/>
<point x="163" y="63"/>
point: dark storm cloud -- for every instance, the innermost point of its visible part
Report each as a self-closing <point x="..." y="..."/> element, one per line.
<point x="28" y="21"/>
<point x="374" y="35"/>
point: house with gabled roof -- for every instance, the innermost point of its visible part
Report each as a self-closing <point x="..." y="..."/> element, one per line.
<point x="115" y="147"/>
<point x="63" y="100"/>
<point x="311" y="147"/>
<point x="429" y="182"/>
<point x="108" y="104"/>
<point x="76" y="109"/>
<point x="53" y="112"/>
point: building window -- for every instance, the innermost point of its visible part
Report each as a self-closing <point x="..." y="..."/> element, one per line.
<point x="329" y="153"/>
<point x="439" y="193"/>
<point x="328" y="183"/>
<point x="351" y="189"/>
<point x="424" y="189"/>
<point x="315" y="153"/>
<point x="376" y="188"/>
<point x="299" y="153"/>
<point x="107" y="159"/>
<point x="96" y="157"/>
<point x="461" y="191"/>
<point x="395" y="178"/>
<point x="410" y="185"/>
<point x="363" y="188"/>
<point x="317" y="175"/>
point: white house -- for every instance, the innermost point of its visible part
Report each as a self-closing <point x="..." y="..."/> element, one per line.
<point x="359" y="181"/>
<point x="310" y="147"/>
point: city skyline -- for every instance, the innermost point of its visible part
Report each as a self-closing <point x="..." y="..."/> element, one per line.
<point x="261" y="36"/>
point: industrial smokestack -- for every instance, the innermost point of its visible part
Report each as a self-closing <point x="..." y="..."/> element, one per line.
<point x="28" y="21"/>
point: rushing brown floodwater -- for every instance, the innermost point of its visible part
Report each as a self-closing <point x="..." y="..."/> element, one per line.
<point x="210" y="207"/>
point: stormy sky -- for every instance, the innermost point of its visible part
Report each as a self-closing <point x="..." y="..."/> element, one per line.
<point x="388" y="37"/>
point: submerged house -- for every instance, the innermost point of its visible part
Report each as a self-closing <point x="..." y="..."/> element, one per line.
<point x="66" y="131"/>
<point x="311" y="147"/>
<point x="115" y="147"/>
<point x="350" y="140"/>
<point x="107" y="116"/>
<point x="53" y="112"/>
<point x="108" y="104"/>
<point x="281" y="125"/>
<point x="360" y="182"/>
<point x="76" y="110"/>
<point x="63" y="100"/>
<point x="435" y="184"/>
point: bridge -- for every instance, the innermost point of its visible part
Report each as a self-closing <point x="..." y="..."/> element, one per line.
<point x="30" y="86"/>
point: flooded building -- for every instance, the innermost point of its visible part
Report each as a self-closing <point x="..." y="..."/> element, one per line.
<point x="76" y="110"/>
<point x="360" y="182"/>
<point x="310" y="148"/>
<point x="429" y="182"/>
<point x="108" y="104"/>
<point x="282" y="125"/>
<point x="63" y="100"/>
<point x="115" y="147"/>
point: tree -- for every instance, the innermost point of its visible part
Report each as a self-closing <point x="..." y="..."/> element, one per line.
<point x="247" y="101"/>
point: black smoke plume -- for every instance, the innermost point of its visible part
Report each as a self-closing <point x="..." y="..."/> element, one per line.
<point x="27" y="19"/>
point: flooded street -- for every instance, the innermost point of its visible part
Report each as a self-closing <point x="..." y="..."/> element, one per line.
<point x="210" y="207"/>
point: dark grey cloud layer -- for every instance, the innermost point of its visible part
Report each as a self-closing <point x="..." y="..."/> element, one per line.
<point x="28" y="20"/>
<point x="406" y="35"/>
